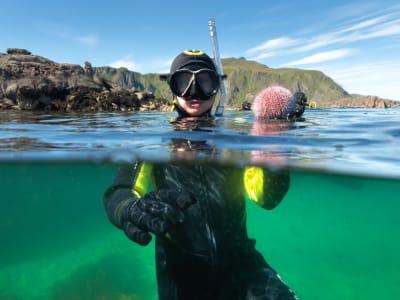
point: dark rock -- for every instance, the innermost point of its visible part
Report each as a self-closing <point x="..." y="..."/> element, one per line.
<point x="246" y="105"/>
<point x="30" y="82"/>
<point x="18" y="51"/>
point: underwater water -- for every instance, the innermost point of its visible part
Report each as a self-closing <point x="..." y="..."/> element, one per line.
<point x="334" y="236"/>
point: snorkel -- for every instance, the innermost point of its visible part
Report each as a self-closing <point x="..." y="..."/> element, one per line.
<point x="213" y="34"/>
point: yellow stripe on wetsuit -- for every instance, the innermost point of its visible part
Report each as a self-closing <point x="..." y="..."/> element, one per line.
<point x="254" y="184"/>
<point x="144" y="182"/>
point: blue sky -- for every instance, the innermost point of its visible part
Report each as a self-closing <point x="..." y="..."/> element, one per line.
<point x="356" y="43"/>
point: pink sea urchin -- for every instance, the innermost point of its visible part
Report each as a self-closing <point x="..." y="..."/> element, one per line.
<point x="274" y="102"/>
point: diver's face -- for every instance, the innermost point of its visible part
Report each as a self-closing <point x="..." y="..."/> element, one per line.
<point x="195" y="107"/>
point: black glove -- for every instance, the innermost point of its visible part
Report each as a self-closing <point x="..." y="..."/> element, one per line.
<point x="155" y="212"/>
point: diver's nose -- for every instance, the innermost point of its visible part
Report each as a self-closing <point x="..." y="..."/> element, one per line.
<point x="192" y="91"/>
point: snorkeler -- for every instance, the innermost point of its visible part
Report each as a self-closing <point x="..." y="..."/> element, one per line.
<point x="197" y="211"/>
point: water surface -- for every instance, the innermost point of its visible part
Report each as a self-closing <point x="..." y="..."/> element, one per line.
<point x="334" y="236"/>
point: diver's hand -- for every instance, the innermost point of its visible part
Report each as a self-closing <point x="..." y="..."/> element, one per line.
<point x="155" y="212"/>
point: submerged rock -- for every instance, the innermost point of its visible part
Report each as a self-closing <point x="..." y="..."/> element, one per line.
<point x="31" y="82"/>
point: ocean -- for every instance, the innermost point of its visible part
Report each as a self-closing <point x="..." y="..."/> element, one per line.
<point x="335" y="235"/>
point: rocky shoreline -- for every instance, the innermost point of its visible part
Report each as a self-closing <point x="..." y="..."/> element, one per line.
<point x="34" y="83"/>
<point x="31" y="82"/>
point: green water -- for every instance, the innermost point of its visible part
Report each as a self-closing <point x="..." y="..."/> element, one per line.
<point x="332" y="237"/>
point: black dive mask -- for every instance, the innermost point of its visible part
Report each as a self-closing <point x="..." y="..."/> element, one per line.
<point x="201" y="84"/>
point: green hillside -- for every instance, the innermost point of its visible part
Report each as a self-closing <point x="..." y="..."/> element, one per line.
<point x="244" y="79"/>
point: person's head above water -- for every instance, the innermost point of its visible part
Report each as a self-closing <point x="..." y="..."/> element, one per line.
<point x="194" y="81"/>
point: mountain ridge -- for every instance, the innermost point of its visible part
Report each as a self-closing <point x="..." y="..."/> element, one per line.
<point x="245" y="78"/>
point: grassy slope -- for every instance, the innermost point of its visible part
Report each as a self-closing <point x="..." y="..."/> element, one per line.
<point x="244" y="79"/>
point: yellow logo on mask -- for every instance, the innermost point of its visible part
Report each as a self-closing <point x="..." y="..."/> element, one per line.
<point x="193" y="52"/>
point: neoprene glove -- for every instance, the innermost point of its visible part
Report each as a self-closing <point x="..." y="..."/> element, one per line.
<point x="156" y="212"/>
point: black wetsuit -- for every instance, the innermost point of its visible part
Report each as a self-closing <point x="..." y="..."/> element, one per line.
<point x="209" y="256"/>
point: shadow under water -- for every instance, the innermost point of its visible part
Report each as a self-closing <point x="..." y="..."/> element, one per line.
<point x="112" y="277"/>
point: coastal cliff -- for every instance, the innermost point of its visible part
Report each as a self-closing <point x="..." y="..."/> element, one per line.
<point x="31" y="82"/>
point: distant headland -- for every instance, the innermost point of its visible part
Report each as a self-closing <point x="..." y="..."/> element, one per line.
<point x="34" y="83"/>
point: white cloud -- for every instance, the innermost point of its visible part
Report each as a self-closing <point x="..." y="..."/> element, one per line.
<point x="263" y="56"/>
<point x="364" y="24"/>
<point x="370" y="31"/>
<point x="90" y="40"/>
<point x="321" y="57"/>
<point x="156" y="65"/>
<point x="278" y="43"/>
<point x="318" y="42"/>
<point x="160" y="65"/>
<point x="125" y="63"/>
<point x="373" y="27"/>
<point x="64" y="32"/>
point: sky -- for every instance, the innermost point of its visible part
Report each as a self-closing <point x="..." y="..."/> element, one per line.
<point x="356" y="43"/>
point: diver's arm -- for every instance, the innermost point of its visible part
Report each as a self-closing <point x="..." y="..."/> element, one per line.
<point x="276" y="185"/>
<point x="133" y="206"/>
<point x="266" y="187"/>
<point x="119" y="194"/>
